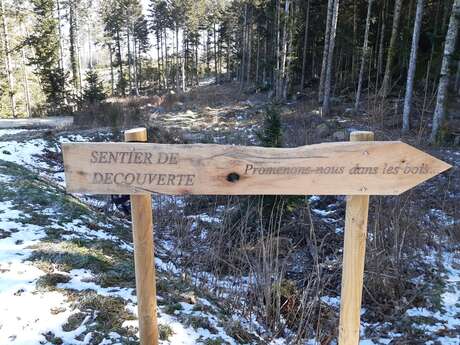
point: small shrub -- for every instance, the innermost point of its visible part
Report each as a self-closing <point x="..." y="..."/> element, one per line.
<point x="201" y="322"/>
<point x="271" y="134"/>
<point x="73" y="322"/>
<point x="165" y="332"/>
<point x="171" y="308"/>
<point x="236" y="331"/>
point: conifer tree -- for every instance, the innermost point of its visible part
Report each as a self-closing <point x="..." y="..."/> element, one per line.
<point x="94" y="89"/>
<point x="45" y="41"/>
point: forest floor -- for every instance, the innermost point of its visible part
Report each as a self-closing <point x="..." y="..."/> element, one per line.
<point x="66" y="267"/>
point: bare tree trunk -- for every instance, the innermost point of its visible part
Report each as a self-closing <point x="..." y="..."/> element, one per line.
<point x="158" y="59"/>
<point x="457" y="78"/>
<point x="178" y="62"/>
<point x="404" y="52"/>
<point x="162" y="70"/>
<point x="257" y="56"/>
<point x="364" y="55"/>
<point x="134" y="63"/>
<point x="6" y="48"/>
<point x="412" y="65"/>
<point x="73" y="49"/>
<point x="381" y="48"/>
<point x="249" y="37"/>
<point x="313" y="58"/>
<point x="25" y="78"/>
<point x="182" y="65"/>
<point x="90" y="47"/>
<point x="386" y="84"/>
<point x="277" y="45"/>
<point x="322" y="77"/>
<point x="355" y="40"/>
<point x="61" y="54"/>
<point x="264" y="66"/>
<point x="166" y="68"/>
<point x="77" y="46"/>
<point x="305" y="42"/>
<point x="112" y="78"/>
<point x="449" y="48"/>
<point x="283" y="54"/>
<point x="216" y="74"/>
<point x="128" y="42"/>
<point x="243" y="52"/>
<point x="120" y="63"/>
<point x="228" y="57"/>
<point x="197" y="81"/>
<point x="287" y="73"/>
<point x="330" y="54"/>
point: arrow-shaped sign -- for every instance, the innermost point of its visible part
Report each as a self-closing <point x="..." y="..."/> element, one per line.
<point x="345" y="168"/>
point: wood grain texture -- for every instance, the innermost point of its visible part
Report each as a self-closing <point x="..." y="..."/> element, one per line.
<point x="144" y="261"/>
<point x="354" y="253"/>
<point x="347" y="168"/>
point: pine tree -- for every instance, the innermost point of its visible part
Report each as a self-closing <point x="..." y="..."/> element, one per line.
<point x="94" y="89"/>
<point x="271" y="134"/>
<point x="45" y="41"/>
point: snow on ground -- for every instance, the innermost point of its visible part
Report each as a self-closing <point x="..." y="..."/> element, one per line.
<point x="10" y="131"/>
<point x="449" y="319"/>
<point x="24" y="314"/>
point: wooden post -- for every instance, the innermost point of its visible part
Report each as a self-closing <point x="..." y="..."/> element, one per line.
<point x="142" y="219"/>
<point x="354" y="252"/>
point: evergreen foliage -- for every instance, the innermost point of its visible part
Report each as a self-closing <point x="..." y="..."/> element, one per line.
<point x="45" y="42"/>
<point x="94" y="89"/>
<point x="271" y="134"/>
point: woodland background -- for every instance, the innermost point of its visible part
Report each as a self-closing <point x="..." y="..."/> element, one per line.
<point x="383" y="55"/>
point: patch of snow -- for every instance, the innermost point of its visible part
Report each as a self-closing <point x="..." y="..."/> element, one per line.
<point x="323" y="213"/>
<point x="23" y="153"/>
<point x="332" y="301"/>
<point x="440" y="217"/>
<point x="25" y="315"/>
<point x="450" y="298"/>
<point x="11" y="131"/>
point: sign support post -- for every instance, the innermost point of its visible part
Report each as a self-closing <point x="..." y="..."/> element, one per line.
<point x="144" y="260"/>
<point x="354" y="253"/>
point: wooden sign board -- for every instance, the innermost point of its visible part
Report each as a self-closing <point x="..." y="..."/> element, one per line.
<point x="344" y="168"/>
<point x="358" y="168"/>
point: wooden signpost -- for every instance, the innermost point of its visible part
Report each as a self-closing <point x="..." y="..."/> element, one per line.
<point x="358" y="168"/>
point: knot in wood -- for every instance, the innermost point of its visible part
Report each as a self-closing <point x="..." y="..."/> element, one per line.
<point x="233" y="177"/>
